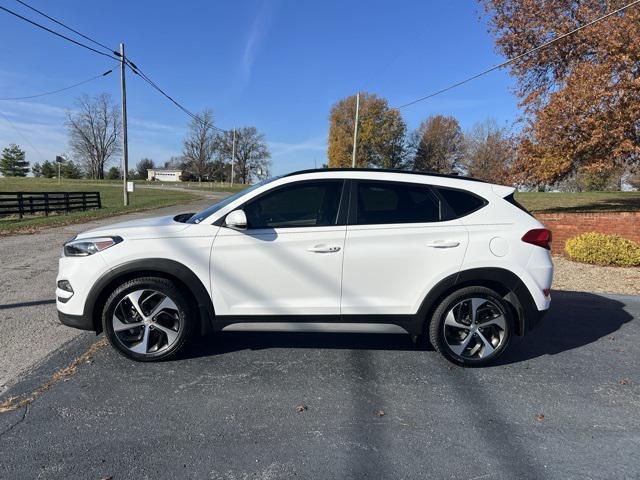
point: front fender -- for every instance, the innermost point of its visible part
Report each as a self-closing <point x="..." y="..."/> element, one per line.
<point x="103" y="287"/>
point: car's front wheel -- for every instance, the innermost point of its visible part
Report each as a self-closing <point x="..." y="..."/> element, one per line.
<point x="472" y="326"/>
<point x="147" y="319"/>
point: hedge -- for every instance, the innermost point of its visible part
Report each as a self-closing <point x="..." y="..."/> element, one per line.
<point x="601" y="249"/>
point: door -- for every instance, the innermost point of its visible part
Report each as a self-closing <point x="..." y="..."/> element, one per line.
<point x="289" y="259"/>
<point x="398" y="245"/>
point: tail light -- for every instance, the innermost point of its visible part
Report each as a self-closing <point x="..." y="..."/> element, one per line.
<point x="540" y="237"/>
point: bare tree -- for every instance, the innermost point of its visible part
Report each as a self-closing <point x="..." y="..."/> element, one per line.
<point x="252" y="159"/>
<point x="200" y="145"/>
<point x="94" y="132"/>
<point x="489" y="152"/>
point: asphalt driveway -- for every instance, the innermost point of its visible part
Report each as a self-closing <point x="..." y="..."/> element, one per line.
<point x="563" y="403"/>
<point x="30" y="330"/>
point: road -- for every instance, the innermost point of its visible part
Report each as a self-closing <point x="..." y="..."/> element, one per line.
<point x="30" y="328"/>
<point x="562" y="403"/>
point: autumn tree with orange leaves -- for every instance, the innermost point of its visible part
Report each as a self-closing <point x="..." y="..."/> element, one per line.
<point x="581" y="95"/>
<point x="381" y="133"/>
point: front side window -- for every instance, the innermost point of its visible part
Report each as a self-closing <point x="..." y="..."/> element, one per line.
<point x="303" y="204"/>
<point x="199" y="217"/>
<point x="388" y="202"/>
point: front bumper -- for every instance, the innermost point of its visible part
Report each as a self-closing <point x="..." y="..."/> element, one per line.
<point x="83" y="322"/>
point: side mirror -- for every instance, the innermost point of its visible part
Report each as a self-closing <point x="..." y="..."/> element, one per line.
<point x="236" y="220"/>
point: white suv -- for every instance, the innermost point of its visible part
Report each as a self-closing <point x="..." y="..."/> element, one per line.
<point x="450" y="258"/>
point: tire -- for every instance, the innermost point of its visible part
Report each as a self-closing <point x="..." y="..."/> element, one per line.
<point x="468" y="339"/>
<point x="159" y="315"/>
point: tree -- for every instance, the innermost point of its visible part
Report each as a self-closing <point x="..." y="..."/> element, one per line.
<point x="114" y="173"/>
<point x="581" y="95"/>
<point x="70" y="169"/>
<point x="220" y="170"/>
<point x="49" y="169"/>
<point x="489" y="152"/>
<point x="200" y="145"/>
<point x="36" y="170"/>
<point x="438" y="145"/>
<point x="143" y="165"/>
<point x="13" y="162"/>
<point x="94" y="132"/>
<point x="252" y="160"/>
<point x="381" y="133"/>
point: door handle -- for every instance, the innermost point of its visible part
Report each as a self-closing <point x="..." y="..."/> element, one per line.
<point x="443" y="244"/>
<point x="323" y="249"/>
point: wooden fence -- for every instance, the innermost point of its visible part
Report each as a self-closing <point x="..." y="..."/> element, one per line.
<point x="30" y="203"/>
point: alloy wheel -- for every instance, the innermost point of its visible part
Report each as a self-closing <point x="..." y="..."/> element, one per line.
<point x="147" y="322"/>
<point x="475" y="328"/>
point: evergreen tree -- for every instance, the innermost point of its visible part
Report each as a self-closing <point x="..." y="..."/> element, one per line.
<point x="49" y="170"/>
<point x="13" y="162"/>
<point x="113" y="174"/>
<point x="36" y="170"/>
<point x="70" y="170"/>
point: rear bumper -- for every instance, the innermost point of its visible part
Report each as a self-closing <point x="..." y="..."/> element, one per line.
<point x="82" y="322"/>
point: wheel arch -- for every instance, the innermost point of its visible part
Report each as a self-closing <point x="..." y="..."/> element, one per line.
<point x="159" y="267"/>
<point x="503" y="281"/>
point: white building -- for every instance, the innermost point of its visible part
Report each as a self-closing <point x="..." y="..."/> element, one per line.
<point x="164" y="174"/>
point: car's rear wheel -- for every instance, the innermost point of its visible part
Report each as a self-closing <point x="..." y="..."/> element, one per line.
<point x="471" y="327"/>
<point x="147" y="319"/>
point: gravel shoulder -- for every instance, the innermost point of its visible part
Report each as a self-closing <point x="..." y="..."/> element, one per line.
<point x="30" y="327"/>
<point x="574" y="276"/>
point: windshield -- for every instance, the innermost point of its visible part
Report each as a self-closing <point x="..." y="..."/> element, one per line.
<point x="198" y="217"/>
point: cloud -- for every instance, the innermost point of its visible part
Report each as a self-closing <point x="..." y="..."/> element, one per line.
<point x="149" y="126"/>
<point x="285" y="148"/>
<point x="259" y="28"/>
<point x="19" y="108"/>
<point x="40" y="141"/>
<point x="288" y="157"/>
<point x="40" y="130"/>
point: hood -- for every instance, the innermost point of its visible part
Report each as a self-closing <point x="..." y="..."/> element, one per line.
<point x="140" y="228"/>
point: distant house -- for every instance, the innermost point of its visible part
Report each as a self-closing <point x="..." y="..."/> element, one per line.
<point x="165" y="174"/>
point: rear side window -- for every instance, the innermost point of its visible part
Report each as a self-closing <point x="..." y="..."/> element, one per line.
<point x="462" y="203"/>
<point x="387" y="202"/>
<point x="304" y="204"/>
<point x="512" y="200"/>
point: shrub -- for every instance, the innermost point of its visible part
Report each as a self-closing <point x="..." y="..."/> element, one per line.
<point x="601" y="249"/>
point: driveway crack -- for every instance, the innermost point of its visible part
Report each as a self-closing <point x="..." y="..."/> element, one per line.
<point x="20" y="420"/>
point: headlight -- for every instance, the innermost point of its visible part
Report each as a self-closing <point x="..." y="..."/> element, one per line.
<point x="83" y="247"/>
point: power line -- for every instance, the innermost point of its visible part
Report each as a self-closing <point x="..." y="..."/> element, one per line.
<point x="57" y="33"/>
<point x="61" y="89"/>
<point x="517" y="57"/>
<point x="135" y="69"/>
<point x="23" y="135"/>
<point x="68" y="28"/>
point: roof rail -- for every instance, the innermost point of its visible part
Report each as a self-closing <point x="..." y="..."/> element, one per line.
<point x="383" y="170"/>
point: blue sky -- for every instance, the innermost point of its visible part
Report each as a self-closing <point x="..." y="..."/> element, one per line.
<point x="276" y="65"/>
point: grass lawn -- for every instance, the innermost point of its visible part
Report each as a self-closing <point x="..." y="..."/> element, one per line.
<point x="580" y="202"/>
<point x="110" y="193"/>
<point x="203" y="186"/>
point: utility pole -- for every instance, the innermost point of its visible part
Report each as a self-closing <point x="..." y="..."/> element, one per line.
<point x="233" y="154"/>
<point x="125" y="144"/>
<point x="355" y="132"/>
